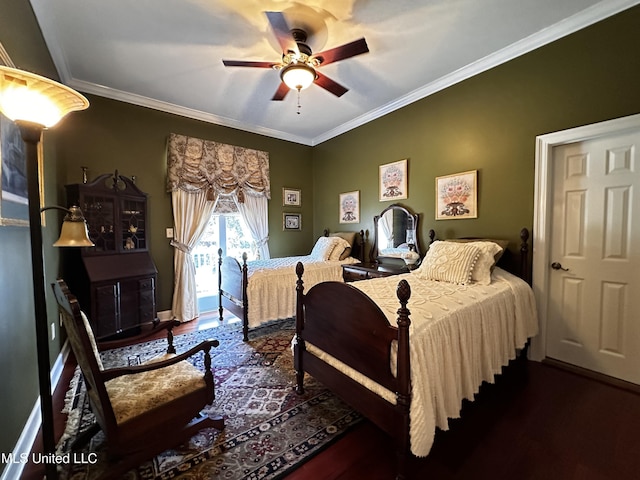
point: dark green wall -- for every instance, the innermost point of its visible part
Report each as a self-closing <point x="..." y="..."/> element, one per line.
<point x="489" y="123"/>
<point x="113" y="135"/>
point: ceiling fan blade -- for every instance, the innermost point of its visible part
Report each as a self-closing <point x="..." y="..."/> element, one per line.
<point x="347" y="50"/>
<point x="281" y="92"/>
<point x="330" y="85"/>
<point x="243" y="63"/>
<point x="282" y="32"/>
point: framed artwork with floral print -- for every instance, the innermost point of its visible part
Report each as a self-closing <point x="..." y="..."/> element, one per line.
<point x="393" y="181"/>
<point x="350" y="207"/>
<point x="457" y="196"/>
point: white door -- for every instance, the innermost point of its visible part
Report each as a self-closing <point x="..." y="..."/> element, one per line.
<point x="593" y="306"/>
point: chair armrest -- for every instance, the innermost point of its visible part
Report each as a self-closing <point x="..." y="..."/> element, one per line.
<point x="147" y="330"/>
<point x="112" y="373"/>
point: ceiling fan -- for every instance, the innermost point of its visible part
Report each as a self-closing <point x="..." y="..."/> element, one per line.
<point x="299" y="65"/>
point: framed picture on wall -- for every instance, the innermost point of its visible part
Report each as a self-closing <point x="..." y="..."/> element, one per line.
<point x="350" y="207"/>
<point x="457" y="196"/>
<point x="291" y="197"/>
<point x="291" y="221"/>
<point x="393" y="181"/>
<point x="14" y="204"/>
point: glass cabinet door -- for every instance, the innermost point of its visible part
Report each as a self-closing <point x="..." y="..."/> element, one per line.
<point x="99" y="211"/>
<point x="132" y="224"/>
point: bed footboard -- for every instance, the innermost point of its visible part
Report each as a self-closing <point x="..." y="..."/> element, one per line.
<point x="343" y="322"/>
<point x="232" y="289"/>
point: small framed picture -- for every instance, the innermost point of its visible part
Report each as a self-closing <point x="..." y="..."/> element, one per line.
<point x="393" y="181"/>
<point x="350" y="207"/>
<point x="291" y="221"/>
<point x="457" y="196"/>
<point x="291" y="197"/>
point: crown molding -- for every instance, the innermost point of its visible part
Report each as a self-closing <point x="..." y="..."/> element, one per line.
<point x="5" y="59"/>
<point x="142" y="101"/>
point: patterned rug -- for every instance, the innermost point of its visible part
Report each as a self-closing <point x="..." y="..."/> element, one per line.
<point x="269" y="429"/>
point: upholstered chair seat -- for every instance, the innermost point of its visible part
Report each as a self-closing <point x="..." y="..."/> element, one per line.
<point x="139" y="393"/>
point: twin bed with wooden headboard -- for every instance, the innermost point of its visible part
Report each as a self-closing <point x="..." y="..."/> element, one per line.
<point x="406" y="350"/>
<point x="261" y="291"/>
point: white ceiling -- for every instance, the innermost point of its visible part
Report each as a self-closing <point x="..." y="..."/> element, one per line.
<point x="167" y="54"/>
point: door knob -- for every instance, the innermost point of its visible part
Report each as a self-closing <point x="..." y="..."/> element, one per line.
<point x="558" y="266"/>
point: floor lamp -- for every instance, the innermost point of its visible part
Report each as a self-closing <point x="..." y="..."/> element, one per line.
<point x="35" y="103"/>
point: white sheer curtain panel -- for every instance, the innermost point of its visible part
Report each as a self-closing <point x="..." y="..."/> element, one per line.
<point x="255" y="213"/>
<point x="191" y="212"/>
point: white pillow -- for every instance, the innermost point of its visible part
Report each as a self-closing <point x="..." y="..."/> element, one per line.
<point x="323" y="248"/>
<point x="449" y="262"/>
<point x="340" y="247"/>
<point x="350" y="237"/>
<point x="484" y="264"/>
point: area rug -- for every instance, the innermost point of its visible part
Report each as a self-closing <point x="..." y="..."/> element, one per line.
<point x="269" y="429"/>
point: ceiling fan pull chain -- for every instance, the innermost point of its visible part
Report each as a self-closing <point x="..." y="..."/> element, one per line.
<point x="298" y="112"/>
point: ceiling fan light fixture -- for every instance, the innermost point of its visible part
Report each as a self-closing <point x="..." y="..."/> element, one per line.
<point x="298" y="76"/>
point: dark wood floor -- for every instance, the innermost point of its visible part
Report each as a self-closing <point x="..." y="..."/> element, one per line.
<point x="536" y="422"/>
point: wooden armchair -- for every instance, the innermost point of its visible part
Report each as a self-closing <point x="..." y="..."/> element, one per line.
<point x="143" y="409"/>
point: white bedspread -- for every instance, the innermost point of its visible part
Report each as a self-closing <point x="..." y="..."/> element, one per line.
<point x="271" y="290"/>
<point x="460" y="336"/>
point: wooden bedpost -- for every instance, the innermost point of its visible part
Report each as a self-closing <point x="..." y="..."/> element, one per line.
<point x="404" y="376"/>
<point x="220" y="309"/>
<point x="432" y="236"/>
<point x="245" y="302"/>
<point x="524" y="256"/>
<point x="299" y="341"/>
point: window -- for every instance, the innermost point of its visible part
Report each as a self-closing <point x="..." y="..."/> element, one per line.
<point x="226" y="231"/>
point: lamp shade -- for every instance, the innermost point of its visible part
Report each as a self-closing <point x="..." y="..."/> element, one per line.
<point x="28" y="97"/>
<point x="74" y="234"/>
<point x="298" y="76"/>
<point x="74" y="231"/>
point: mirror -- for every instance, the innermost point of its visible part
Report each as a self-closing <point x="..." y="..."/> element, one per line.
<point x="395" y="234"/>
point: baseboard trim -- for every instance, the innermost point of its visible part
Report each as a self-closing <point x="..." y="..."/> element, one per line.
<point x="600" y="377"/>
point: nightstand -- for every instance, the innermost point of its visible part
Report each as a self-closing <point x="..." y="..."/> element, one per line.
<point x="363" y="271"/>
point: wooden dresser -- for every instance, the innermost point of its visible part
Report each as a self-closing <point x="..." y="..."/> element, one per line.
<point x="363" y="271"/>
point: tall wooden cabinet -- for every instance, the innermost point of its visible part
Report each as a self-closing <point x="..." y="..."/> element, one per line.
<point x="115" y="280"/>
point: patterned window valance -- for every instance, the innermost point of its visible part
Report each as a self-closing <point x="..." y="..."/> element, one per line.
<point x="194" y="165"/>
